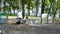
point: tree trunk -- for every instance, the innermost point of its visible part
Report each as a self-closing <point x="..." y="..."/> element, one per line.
<point x="42" y="10"/>
<point x="54" y="15"/>
<point x="14" y="11"/>
<point x="29" y="8"/>
<point x="0" y="9"/>
<point x="7" y="14"/>
<point x="55" y="12"/>
<point x="10" y="12"/>
<point x="59" y="14"/>
<point x="0" y="1"/>
<point x="37" y="1"/>
<point x="28" y="12"/>
<point x="43" y="6"/>
<point x="22" y="8"/>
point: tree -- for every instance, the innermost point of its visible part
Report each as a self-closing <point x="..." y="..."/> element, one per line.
<point x="0" y="5"/>
<point x="58" y="3"/>
<point x="43" y="6"/>
<point x="8" y="4"/>
<point x="37" y="4"/>
<point x="30" y="5"/>
<point x="23" y="7"/>
<point x="51" y="6"/>
<point x="54" y="6"/>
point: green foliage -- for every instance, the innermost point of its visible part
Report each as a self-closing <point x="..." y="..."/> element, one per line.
<point x="15" y="4"/>
<point x="31" y="2"/>
<point x="47" y="2"/>
<point x="54" y="5"/>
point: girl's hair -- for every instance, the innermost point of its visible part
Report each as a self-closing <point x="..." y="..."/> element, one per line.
<point x="26" y="17"/>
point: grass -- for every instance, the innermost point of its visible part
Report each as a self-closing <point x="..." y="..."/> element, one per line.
<point x="57" y="18"/>
<point x="44" y="20"/>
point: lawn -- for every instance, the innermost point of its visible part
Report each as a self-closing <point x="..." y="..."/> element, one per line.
<point x="44" y="20"/>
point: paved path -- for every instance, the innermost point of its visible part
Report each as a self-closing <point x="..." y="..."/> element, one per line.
<point x="26" y="29"/>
